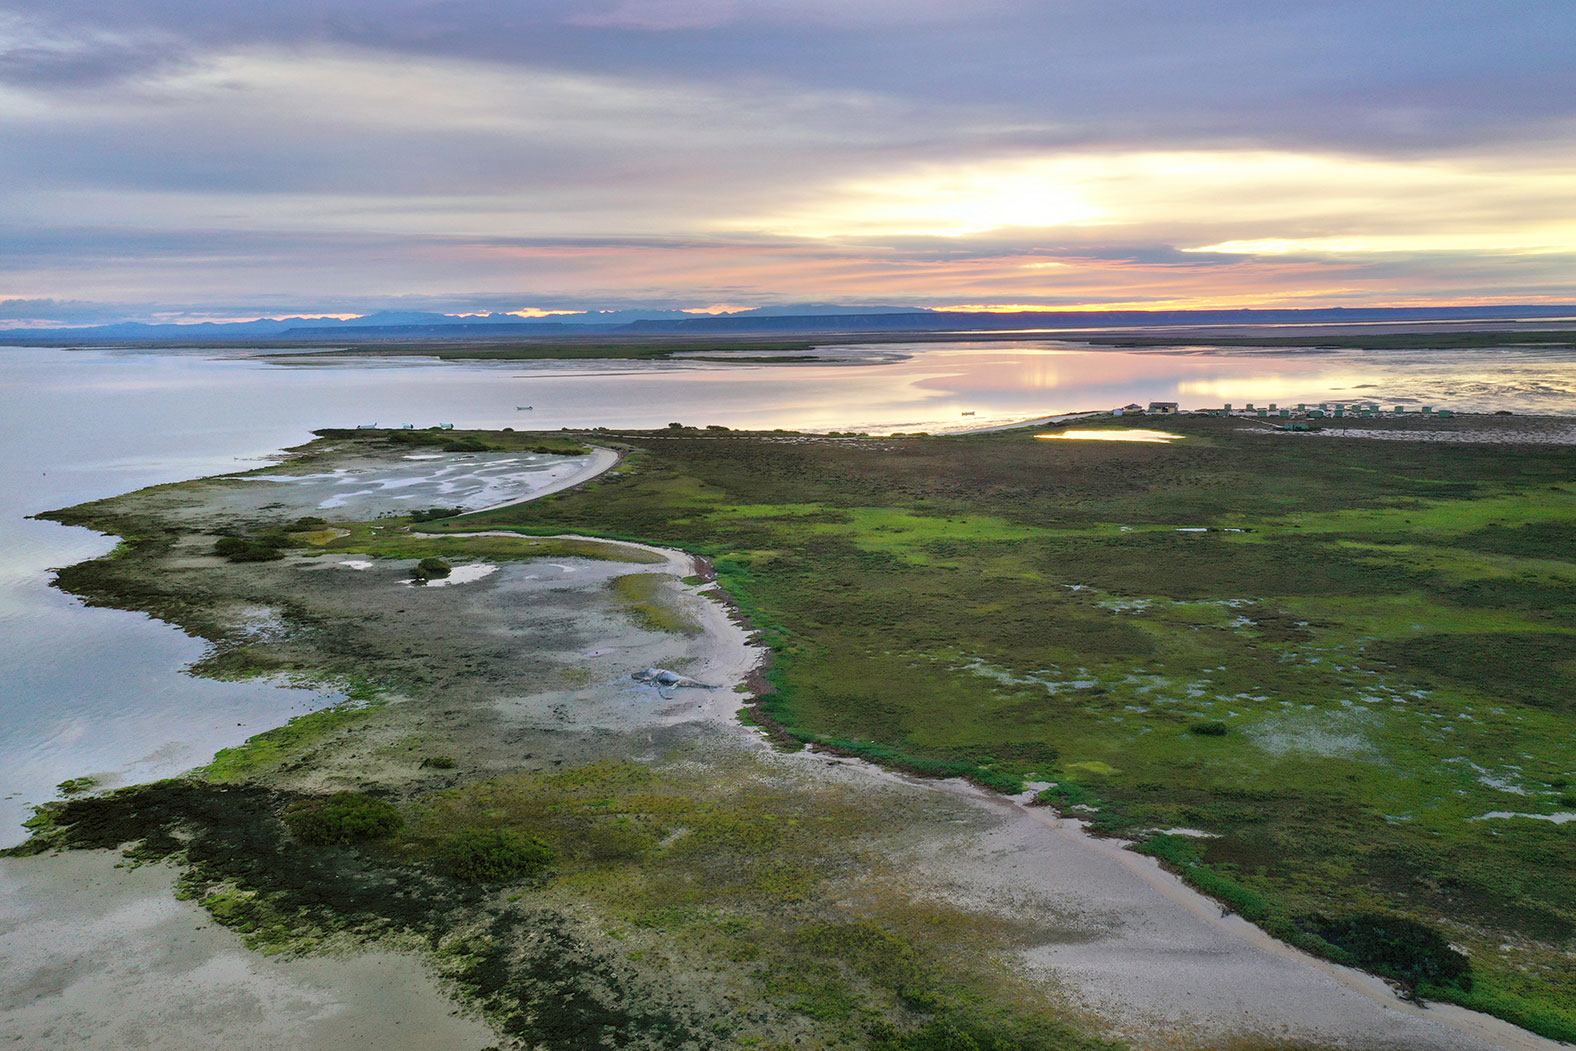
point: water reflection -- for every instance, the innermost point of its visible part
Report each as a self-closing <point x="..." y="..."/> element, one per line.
<point x="1134" y="435"/>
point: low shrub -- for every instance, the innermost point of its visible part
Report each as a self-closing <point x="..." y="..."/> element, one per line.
<point x="1208" y="729"/>
<point x="240" y="549"/>
<point x="432" y="514"/>
<point x="431" y="569"/>
<point x="344" y="817"/>
<point x="493" y="855"/>
<point x="1396" y="947"/>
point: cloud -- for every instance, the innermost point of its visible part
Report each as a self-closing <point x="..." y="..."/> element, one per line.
<point x="658" y="14"/>
<point x="782" y="148"/>
<point x="1343" y="72"/>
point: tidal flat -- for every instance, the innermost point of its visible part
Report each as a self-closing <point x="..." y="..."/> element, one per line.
<point x="1054" y="622"/>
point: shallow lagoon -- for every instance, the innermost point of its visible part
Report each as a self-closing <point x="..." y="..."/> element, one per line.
<point x="100" y="691"/>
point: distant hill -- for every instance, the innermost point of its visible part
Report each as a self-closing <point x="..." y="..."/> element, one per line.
<point x="802" y="318"/>
<point x="946" y="321"/>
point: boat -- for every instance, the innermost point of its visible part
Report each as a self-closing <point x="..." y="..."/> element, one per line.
<point x="523" y="408"/>
<point x="968" y="414"/>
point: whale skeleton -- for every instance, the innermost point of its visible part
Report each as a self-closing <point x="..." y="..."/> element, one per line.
<point x="667" y="681"/>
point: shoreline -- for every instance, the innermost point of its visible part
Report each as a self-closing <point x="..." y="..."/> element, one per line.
<point x="600" y="460"/>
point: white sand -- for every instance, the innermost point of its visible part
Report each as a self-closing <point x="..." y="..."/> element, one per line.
<point x="598" y="460"/>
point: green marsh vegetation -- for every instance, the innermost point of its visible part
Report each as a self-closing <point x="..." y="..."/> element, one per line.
<point x="460" y="441"/>
<point x="688" y="900"/>
<point x="1383" y="631"/>
<point x="388" y="538"/>
<point x="644" y="597"/>
<point x="734" y="906"/>
<point x="992" y="607"/>
<point x="343" y="818"/>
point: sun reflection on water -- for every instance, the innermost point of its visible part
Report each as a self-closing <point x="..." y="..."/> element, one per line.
<point x="1114" y="436"/>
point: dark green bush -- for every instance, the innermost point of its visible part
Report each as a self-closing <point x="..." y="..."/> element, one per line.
<point x="1208" y="729"/>
<point x="432" y="514"/>
<point x="439" y="762"/>
<point x="240" y="549"/>
<point x="1396" y="947"/>
<point x="344" y="817"/>
<point x="493" y="855"/>
<point x="431" y="569"/>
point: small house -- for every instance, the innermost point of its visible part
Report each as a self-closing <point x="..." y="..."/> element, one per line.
<point x="1163" y="406"/>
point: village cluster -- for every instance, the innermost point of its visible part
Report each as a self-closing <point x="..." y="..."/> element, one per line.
<point x="1301" y="418"/>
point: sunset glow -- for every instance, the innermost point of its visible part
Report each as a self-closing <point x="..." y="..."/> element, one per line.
<point x="1035" y="155"/>
<point x="1135" y="435"/>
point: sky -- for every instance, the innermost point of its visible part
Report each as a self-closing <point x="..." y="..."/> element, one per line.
<point x="171" y="160"/>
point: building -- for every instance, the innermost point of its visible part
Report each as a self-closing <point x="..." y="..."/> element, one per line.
<point x="1162" y="406"/>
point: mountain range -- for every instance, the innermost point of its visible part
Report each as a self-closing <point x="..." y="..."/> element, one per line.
<point x="805" y="318"/>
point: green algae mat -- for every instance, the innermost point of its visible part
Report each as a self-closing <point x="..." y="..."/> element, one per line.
<point x="1332" y="682"/>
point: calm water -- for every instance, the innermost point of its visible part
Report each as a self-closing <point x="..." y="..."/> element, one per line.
<point x="101" y="691"/>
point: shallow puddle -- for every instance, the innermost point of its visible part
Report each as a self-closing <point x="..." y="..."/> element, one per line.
<point x="459" y="575"/>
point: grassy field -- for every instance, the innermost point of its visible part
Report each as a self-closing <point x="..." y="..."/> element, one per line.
<point x="1323" y="665"/>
